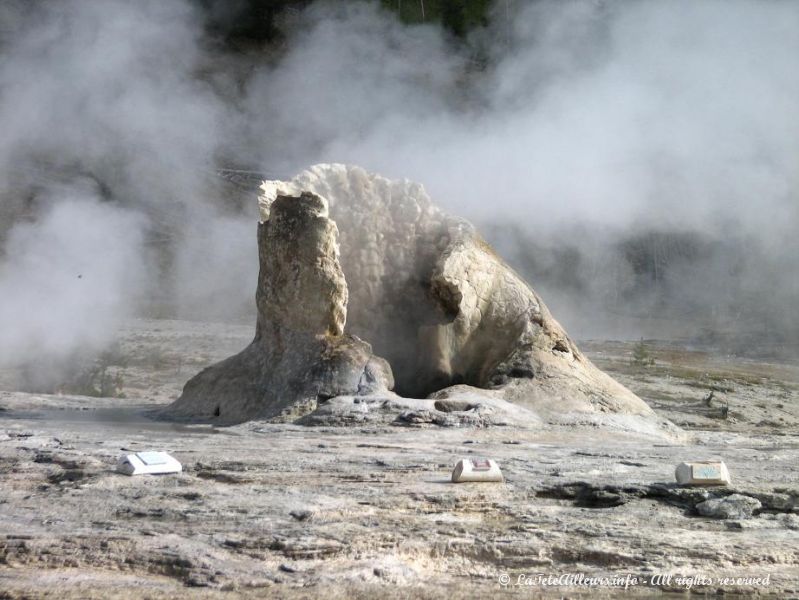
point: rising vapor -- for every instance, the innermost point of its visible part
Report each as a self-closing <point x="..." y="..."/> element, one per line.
<point x="638" y="160"/>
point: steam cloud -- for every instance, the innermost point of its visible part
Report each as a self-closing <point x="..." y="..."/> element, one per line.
<point x="575" y="133"/>
<point x="71" y="278"/>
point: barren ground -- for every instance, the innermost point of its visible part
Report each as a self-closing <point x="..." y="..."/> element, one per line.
<point x="296" y="512"/>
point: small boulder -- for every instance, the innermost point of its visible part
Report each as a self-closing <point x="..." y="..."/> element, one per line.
<point x="735" y="506"/>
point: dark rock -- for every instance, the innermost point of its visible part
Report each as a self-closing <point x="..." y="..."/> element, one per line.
<point x="734" y="506"/>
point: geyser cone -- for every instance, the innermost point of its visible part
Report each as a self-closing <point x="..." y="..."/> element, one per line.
<point x="421" y="287"/>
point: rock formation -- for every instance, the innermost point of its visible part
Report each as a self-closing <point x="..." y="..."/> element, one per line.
<point x="300" y="354"/>
<point x="448" y="317"/>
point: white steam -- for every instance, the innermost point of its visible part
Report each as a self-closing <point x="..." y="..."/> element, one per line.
<point x="676" y="113"/>
<point x="108" y="91"/>
<point x="68" y="279"/>
<point x="592" y="121"/>
<point x="576" y="123"/>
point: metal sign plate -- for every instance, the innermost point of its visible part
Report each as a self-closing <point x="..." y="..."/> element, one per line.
<point x="152" y="458"/>
<point x="706" y="472"/>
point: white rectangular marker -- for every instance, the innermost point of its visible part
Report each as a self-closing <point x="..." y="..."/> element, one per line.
<point x="476" y="469"/>
<point x="702" y="473"/>
<point x="148" y="463"/>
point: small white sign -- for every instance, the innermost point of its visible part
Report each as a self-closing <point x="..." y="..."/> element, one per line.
<point x="148" y="463"/>
<point x="707" y="472"/>
<point x="476" y="469"/>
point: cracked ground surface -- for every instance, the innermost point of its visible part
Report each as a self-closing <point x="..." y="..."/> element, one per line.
<point x="299" y="512"/>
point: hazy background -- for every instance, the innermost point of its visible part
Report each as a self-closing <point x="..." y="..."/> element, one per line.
<point x="638" y="161"/>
